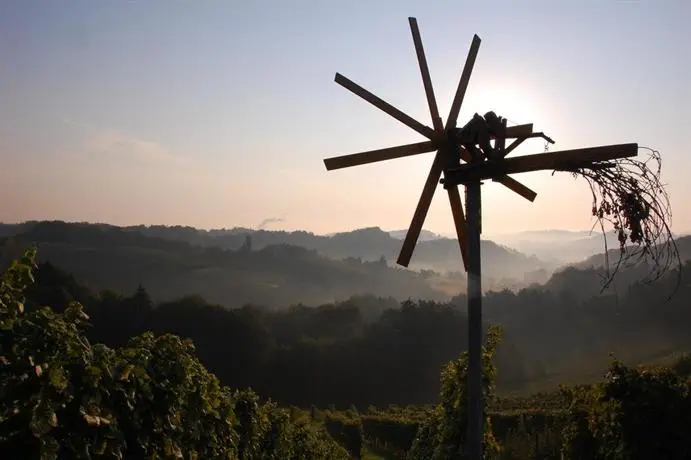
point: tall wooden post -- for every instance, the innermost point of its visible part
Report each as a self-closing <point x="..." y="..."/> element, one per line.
<point x="475" y="399"/>
<point x="475" y="425"/>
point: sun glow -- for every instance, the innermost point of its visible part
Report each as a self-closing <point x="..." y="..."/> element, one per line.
<point x="518" y="104"/>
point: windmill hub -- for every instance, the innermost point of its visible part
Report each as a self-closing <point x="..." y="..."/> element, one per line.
<point x="476" y="137"/>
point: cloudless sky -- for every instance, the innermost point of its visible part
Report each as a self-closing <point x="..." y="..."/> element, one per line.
<point x="219" y="113"/>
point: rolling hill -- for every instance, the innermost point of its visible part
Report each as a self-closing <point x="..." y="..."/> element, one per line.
<point x="108" y="257"/>
<point x="502" y="266"/>
<point x="368" y="244"/>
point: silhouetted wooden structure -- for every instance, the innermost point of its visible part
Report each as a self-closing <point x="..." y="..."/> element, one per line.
<point x="448" y="142"/>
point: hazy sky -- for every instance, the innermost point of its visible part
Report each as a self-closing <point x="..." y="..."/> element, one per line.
<point x="219" y="113"/>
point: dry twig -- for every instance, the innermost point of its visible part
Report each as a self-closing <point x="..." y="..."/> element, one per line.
<point x="629" y="196"/>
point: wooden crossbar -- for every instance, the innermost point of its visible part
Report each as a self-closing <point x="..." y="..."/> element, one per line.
<point x="541" y="161"/>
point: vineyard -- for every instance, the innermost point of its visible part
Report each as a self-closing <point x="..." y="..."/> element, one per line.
<point x="62" y="396"/>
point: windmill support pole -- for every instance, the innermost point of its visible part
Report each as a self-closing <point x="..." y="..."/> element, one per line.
<point x="475" y="403"/>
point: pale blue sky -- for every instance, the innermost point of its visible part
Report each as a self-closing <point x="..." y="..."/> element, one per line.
<point x="219" y="113"/>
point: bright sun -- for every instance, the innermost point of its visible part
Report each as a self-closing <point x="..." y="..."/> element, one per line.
<point x="517" y="105"/>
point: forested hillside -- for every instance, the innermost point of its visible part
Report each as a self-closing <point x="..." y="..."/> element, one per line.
<point x="317" y="354"/>
<point x="275" y="275"/>
<point x="440" y="254"/>
<point x="503" y="265"/>
<point x="683" y="245"/>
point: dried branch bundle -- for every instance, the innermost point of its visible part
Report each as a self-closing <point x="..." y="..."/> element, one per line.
<point x="629" y="196"/>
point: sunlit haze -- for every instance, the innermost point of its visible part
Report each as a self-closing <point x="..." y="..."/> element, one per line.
<point x="219" y="113"/>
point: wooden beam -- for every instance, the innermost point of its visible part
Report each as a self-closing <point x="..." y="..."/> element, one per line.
<point x="373" y="156"/>
<point x="549" y="160"/>
<point x="509" y="182"/>
<point x="519" y="131"/>
<point x="463" y="83"/>
<point x="426" y="78"/>
<point x="385" y="106"/>
<point x="537" y="162"/>
<point x="515" y="186"/>
<point x="465" y="155"/>
<point x="454" y="197"/>
<point x="459" y="222"/>
<point x="506" y="181"/>
<point x="435" y="172"/>
<point x="521" y="139"/>
<point x="514" y="145"/>
<point x="421" y="209"/>
<point x="574" y="166"/>
<point x="455" y="201"/>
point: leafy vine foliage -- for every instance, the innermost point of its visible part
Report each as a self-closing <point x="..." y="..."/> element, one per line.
<point x="62" y="397"/>
<point x="634" y="414"/>
<point x="443" y="434"/>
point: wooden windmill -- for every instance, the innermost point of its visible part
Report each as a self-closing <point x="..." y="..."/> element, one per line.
<point x="452" y="144"/>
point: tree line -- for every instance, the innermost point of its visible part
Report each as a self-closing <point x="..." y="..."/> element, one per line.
<point x="378" y="351"/>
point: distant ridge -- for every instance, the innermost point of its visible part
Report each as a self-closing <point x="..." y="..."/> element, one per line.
<point x="425" y="235"/>
<point x="507" y="267"/>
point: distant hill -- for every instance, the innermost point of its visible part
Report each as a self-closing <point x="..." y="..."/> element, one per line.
<point x="425" y="235"/>
<point x="109" y="257"/>
<point x="562" y="247"/>
<point x="551" y="235"/>
<point x="598" y="260"/>
<point x="501" y="266"/>
<point x="585" y="279"/>
<point x="557" y="332"/>
<point x="367" y="244"/>
<point x="559" y="246"/>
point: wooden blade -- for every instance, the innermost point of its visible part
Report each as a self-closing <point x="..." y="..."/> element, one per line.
<point x="373" y="156"/>
<point x="385" y="106"/>
<point x="435" y="172"/>
<point x="423" y="204"/>
<point x="515" y="186"/>
<point x="454" y="196"/>
<point x="459" y="222"/>
<point x="463" y="83"/>
<point x="426" y="78"/>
